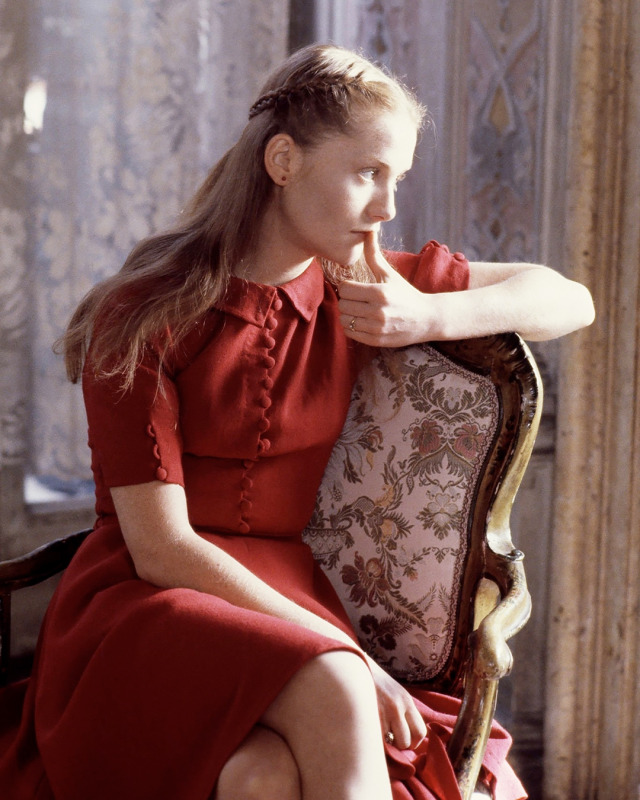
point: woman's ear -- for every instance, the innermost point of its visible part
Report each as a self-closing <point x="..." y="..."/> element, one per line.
<point x="282" y="158"/>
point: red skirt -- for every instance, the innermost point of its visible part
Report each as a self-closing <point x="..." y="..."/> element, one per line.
<point x="139" y="692"/>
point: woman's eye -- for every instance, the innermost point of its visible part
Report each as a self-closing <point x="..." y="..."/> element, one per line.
<point x="369" y="174"/>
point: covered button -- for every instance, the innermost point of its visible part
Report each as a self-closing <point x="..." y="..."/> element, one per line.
<point x="161" y="474"/>
<point x="264" y="445"/>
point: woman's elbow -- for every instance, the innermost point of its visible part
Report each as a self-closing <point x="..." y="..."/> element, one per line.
<point x="151" y="567"/>
<point x="147" y="572"/>
<point x="588" y="306"/>
<point x="571" y="311"/>
<point x="580" y="308"/>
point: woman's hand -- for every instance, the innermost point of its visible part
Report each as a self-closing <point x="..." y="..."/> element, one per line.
<point x="397" y="709"/>
<point x="537" y="302"/>
<point x="389" y="313"/>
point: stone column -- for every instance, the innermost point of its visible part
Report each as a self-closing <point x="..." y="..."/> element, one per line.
<point x="593" y="692"/>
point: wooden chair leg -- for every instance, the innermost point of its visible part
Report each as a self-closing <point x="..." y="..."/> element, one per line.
<point x="471" y="732"/>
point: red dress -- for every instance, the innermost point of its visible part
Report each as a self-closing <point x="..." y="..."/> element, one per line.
<point x="139" y="692"/>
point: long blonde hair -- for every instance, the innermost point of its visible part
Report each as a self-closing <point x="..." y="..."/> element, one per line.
<point x="171" y="279"/>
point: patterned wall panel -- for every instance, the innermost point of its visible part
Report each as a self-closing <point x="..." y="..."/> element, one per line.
<point x="499" y="152"/>
<point x="504" y="98"/>
<point x="142" y="97"/>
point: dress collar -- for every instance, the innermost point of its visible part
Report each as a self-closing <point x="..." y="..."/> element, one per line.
<point x="252" y="301"/>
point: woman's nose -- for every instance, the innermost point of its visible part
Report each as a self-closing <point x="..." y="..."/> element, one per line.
<point x="383" y="205"/>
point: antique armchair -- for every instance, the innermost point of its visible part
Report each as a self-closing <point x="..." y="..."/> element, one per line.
<point x="412" y="523"/>
<point x="412" y="520"/>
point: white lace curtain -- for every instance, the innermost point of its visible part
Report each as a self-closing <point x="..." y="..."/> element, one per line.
<point x="142" y="96"/>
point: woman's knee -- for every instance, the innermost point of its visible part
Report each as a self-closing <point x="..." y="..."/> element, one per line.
<point x="341" y="673"/>
<point x="263" y="768"/>
<point x="333" y="685"/>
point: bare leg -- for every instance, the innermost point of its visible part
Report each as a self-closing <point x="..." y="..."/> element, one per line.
<point x="262" y="768"/>
<point x="328" y="715"/>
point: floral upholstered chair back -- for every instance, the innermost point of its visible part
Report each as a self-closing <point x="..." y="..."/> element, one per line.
<point x="401" y="520"/>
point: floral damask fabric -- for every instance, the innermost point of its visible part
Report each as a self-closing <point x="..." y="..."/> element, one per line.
<point x="392" y="513"/>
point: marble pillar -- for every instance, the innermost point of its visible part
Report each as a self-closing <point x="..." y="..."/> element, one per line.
<point x="593" y="683"/>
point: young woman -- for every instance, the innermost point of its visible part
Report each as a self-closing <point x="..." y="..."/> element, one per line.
<point x="193" y="649"/>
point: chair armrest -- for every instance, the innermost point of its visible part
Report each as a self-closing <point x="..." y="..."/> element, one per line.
<point x="42" y="563"/>
<point x="28" y="570"/>
<point x="492" y="657"/>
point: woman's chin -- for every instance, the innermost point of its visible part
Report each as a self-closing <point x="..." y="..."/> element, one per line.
<point x="347" y="258"/>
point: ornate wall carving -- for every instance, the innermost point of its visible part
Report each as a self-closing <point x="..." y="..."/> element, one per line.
<point x="505" y="87"/>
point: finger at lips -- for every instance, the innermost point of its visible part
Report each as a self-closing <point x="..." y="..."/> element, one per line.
<point x="374" y="258"/>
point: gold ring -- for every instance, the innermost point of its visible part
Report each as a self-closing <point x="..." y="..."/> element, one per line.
<point x="389" y="737"/>
<point x="352" y="324"/>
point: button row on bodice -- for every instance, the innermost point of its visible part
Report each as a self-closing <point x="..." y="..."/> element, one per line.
<point x="264" y="402"/>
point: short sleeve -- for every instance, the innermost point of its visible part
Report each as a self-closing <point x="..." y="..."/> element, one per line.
<point x="134" y="435"/>
<point x="434" y="269"/>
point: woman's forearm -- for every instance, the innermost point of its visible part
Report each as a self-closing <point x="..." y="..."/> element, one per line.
<point x="533" y="300"/>
<point x="167" y="552"/>
<point x="196" y="563"/>
<point x="537" y="302"/>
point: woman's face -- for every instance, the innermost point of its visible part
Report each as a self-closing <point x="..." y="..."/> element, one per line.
<point x="341" y="188"/>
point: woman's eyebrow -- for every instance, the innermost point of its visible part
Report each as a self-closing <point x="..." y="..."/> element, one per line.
<point x="376" y="161"/>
